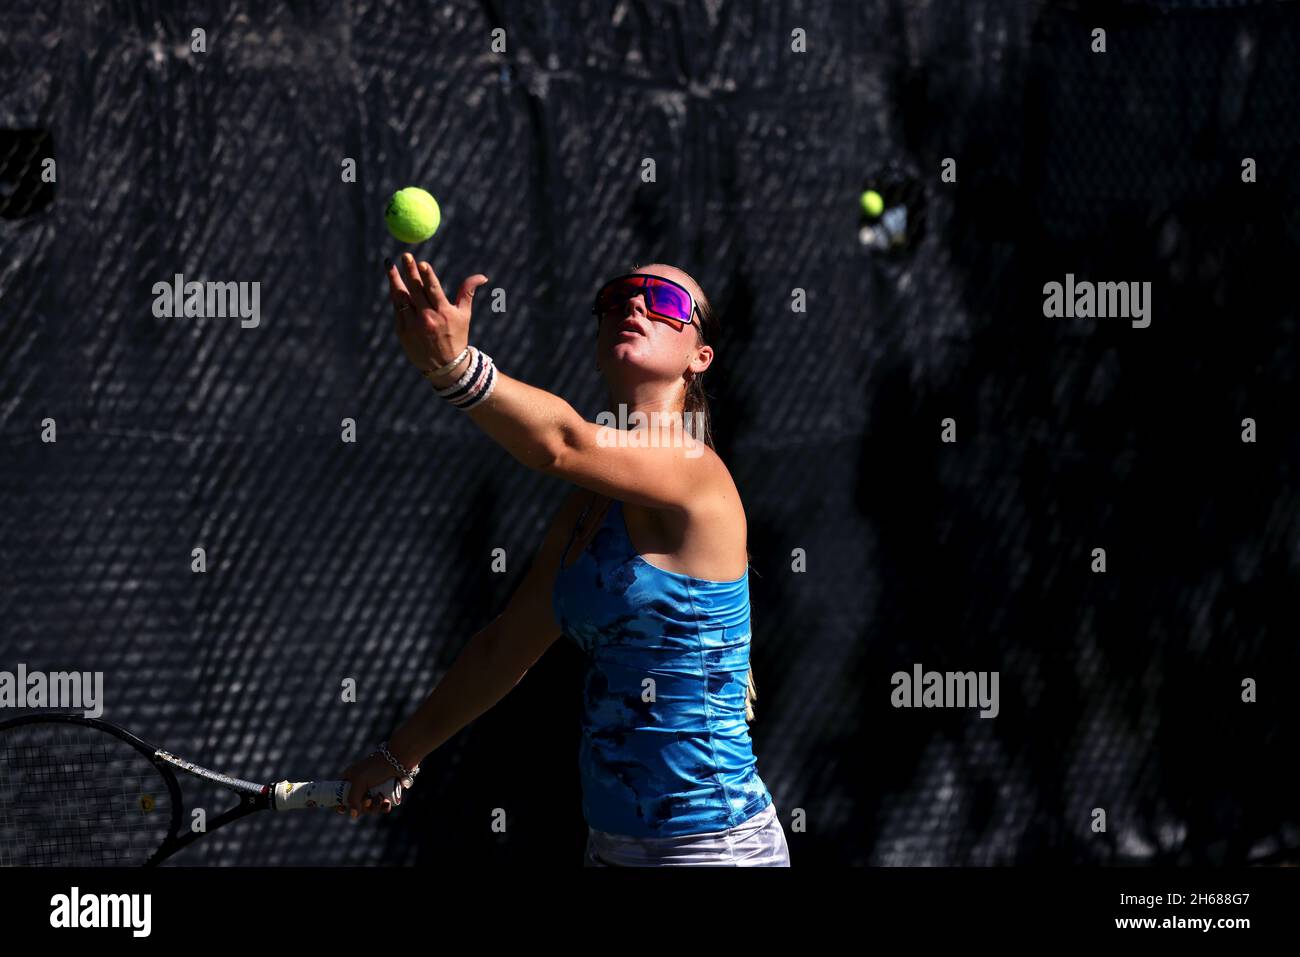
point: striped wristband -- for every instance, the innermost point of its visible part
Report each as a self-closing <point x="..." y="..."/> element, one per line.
<point x="475" y="384"/>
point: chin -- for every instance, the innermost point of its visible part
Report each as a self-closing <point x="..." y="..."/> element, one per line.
<point x="628" y="362"/>
<point x="627" y="351"/>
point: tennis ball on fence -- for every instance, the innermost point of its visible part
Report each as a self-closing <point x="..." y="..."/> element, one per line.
<point x="412" y="215"/>
<point x="873" y="204"/>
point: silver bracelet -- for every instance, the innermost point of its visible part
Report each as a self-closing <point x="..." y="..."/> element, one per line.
<point x="471" y="369"/>
<point x="443" y="370"/>
<point x="406" y="777"/>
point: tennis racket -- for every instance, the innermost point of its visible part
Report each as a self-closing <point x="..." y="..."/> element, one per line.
<point x="80" y="792"/>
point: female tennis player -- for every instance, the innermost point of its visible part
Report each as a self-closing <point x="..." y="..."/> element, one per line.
<point x="644" y="567"/>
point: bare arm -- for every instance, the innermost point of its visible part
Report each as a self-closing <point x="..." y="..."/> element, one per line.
<point x="497" y="657"/>
<point x="541" y="430"/>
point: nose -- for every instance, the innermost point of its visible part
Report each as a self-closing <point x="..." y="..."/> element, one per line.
<point x="633" y="305"/>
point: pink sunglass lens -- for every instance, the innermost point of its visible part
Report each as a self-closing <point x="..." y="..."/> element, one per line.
<point x="668" y="300"/>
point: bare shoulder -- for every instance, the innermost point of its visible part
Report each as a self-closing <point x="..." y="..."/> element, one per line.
<point x="718" y="499"/>
<point x="706" y="537"/>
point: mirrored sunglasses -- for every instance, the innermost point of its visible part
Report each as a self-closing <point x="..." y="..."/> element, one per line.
<point x="665" y="300"/>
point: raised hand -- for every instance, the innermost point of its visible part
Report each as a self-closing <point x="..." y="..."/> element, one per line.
<point x="432" y="329"/>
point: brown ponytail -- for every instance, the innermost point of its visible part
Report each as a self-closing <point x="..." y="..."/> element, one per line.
<point x="695" y="410"/>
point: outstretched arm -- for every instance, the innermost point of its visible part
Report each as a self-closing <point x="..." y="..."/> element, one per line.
<point x="495" y="660"/>
<point x="541" y="430"/>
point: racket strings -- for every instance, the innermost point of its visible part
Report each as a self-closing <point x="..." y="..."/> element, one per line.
<point x="77" y="796"/>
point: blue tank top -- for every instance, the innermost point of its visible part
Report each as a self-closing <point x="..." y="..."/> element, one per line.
<point x="682" y="763"/>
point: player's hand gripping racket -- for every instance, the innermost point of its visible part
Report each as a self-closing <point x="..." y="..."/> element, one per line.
<point x="79" y="792"/>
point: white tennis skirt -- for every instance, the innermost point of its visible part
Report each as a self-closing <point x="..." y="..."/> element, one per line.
<point x="758" y="842"/>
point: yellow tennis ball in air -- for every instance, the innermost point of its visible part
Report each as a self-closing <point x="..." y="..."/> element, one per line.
<point x="412" y="215"/>
<point x="873" y="204"/>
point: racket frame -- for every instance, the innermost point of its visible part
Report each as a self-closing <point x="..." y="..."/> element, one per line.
<point x="253" y="797"/>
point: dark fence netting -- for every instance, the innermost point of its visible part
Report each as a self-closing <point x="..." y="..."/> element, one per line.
<point x="370" y="562"/>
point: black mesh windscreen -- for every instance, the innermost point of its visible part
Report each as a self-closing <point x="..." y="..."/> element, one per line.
<point x="343" y="577"/>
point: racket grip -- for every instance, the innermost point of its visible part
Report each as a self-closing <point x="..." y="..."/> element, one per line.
<point x="298" y="795"/>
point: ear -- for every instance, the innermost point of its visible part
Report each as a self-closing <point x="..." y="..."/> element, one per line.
<point x="703" y="359"/>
